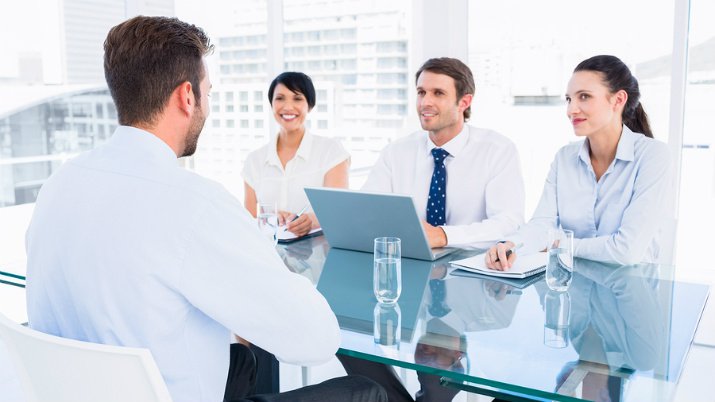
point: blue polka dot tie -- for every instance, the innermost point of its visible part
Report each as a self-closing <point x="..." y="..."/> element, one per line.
<point x="437" y="201"/>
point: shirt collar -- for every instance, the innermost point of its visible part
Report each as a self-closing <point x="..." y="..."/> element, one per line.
<point x="143" y="144"/>
<point x="453" y="146"/>
<point x="303" y="152"/>
<point x="306" y="145"/>
<point x="625" y="149"/>
<point x="626" y="145"/>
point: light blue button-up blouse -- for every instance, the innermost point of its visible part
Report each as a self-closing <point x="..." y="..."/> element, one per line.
<point x="615" y="219"/>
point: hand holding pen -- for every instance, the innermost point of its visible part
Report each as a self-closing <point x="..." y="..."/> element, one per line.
<point x="501" y="256"/>
<point x="298" y="224"/>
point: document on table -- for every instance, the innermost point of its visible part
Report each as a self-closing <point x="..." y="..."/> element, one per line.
<point x="524" y="266"/>
<point x="285" y="236"/>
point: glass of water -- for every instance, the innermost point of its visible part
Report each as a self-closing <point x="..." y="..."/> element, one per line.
<point x="559" y="268"/>
<point x="267" y="217"/>
<point x="387" y="274"/>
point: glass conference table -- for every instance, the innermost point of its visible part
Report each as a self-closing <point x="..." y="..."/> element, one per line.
<point x="620" y="333"/>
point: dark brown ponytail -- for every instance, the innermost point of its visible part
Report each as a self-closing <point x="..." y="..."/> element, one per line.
<point x="617" y="76"/>
<point x="638" y="122"/>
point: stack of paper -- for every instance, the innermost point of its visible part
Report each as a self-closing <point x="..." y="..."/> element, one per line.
<point x="524" y="266"/>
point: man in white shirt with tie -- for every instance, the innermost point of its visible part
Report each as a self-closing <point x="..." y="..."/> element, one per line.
<point x="465" y="181"/>
<point x="128" y="248"/>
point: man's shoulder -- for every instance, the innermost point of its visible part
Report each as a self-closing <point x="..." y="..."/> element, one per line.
<point x="199" y="186"/>
<point x="480" y="134"/>
<point x="143" y="174"/>
<point x="411" y="140"/>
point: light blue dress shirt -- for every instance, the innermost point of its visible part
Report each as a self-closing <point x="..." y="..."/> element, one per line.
<point x="127" y="248"/>
<point x="616" y="219"/>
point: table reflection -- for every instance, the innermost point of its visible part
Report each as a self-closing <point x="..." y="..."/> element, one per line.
<point x="618" y="328"/>
<point x="615" y="327"/>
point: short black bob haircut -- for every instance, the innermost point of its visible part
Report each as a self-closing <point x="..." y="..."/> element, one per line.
<point x="296" y="82"/>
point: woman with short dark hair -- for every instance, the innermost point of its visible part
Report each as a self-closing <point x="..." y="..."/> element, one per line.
<point x="294" y="159"/>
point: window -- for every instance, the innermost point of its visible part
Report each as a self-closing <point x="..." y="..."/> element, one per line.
<point x="697" y="179"/>
<point x="391" y="62"/>
<point x="392" y="109"/>
<point x="521" y="78"/>
<point x="392" y="78"/>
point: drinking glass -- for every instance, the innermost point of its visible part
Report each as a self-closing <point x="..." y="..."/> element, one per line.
<point x="267" y="217"/>
<point x="387" y="325"/>
<point x="557" y="309"/>
<point x="387" y="274"/>
<point x="559" y="268"/>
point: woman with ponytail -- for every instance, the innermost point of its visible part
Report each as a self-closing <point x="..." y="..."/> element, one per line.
<point x="609" y="188"/>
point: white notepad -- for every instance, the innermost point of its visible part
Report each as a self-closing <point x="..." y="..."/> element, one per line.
<point x="524" y="266"/>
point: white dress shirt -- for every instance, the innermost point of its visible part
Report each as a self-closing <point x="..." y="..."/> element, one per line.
<point x="127" y="248"/>
<point x="615" y="219"/>
<point x="315" y="156"/>
<point x="485" y="190"/>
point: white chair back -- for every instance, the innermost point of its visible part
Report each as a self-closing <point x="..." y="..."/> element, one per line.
<point x="51" y="368"/>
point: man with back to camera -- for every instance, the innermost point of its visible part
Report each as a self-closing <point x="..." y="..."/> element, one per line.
<point x="127" y="248"/>
<point x="465" y="181"/>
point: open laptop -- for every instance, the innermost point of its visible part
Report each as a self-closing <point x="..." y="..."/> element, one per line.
<point x="352" y="220"/>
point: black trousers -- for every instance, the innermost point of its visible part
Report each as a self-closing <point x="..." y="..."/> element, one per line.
<point x="430" y="388"/>
<point x="247" y="367"/>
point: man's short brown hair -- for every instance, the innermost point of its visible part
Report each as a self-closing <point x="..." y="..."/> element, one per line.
<point x="458" y="71"/>
<point x="146" y="58"/>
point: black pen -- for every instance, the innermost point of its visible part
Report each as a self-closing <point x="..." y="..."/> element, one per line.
<point x="510" y="251"/>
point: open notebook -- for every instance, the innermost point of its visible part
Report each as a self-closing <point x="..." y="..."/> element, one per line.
<point x="524" y="266"/>
<point x="285" y="236"/>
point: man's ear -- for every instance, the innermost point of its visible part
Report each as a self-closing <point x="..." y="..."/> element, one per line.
<point x="465" y="102"/>
<point x="184" y="94"/>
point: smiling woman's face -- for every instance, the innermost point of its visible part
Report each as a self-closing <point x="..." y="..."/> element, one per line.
<point x="591" y="106"/>
<point x="289" y="108"/>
